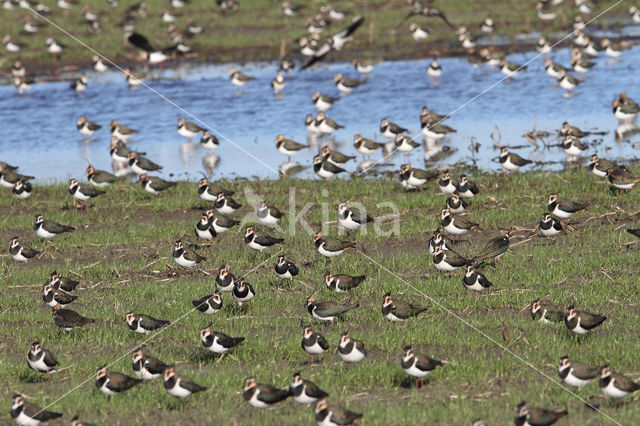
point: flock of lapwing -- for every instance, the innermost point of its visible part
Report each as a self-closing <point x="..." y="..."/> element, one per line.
<point x="59" y="292"/>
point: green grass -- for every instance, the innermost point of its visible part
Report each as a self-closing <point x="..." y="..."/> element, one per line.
<point x="256" y="31"/>
<point x="121" y="246"/>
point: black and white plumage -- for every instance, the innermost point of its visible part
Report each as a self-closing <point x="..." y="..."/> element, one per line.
<point x="313" y="343"/>
<point x="475" y="280"/>
<point x="151" y="54"/>
<point x="218" y="343"/>
<point x="210" y="304"/>
<point x="352" y="218"/>
<point x="204" y="230"/>
<point x="549" y="226"/>
<point x="242" y="291"/>
<point x="41" y="360"/>
<point x="284" y="269"/>
<point x="350" y="350"/>
<point x="268" y="215"/>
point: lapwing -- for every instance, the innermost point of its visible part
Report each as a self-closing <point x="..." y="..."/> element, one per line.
<point x="418" y="33"/>
<point x="268" y="215"/>
<point x="475" y="280"/>
<point x="100" y="178"/>
<point x="18" y="69"/>
<point x="404" y="144"/>
<point x="573" y="146"/>
<point x="546" y="312"/>
<point x="68" y="319"/>
<point x="455" y="225"/>
<point x="416" y="365"/>
<point x="447" y="184"/>
<point x="488" y="25"/>
<point x="545" y="11"/>
<point x="289" y="9"/>
<point x="362" y="67"/>
<point x="119" y="152"/>
<point x="622" y="178"/>
<point x="526" y="415"/>
<point x="581" y="322"/>
<point x="53" y="297"/>
<point x="345" y="84"/>
<point x="154" y="185"/>
<point x="285" y="269"/>
<point x="180" y="387"/>
<point x="208" y="191"/>
<point x="350" y="350"/>
<point x="326" y="169"/>
<point x="10" y="45"/>
<point x="22" y="84"/>
<point x="313" y="343"/>
<point x="144" y="324"/>
<point x="45" y="228"/>
<point x="553" y="69"/>
<point x="98" y="65"/>
<point x="259" y="242"/>
<point x="323" y="102"/>
<point x="434" y="69"/>
<point x="327" y="310"/>
<point x="225" y="205"/>
<point x="512" y="161"/>
<point x="411" y="178"/>
<point x="352" y="218"/>
<point x="278" y="83"/>
<point x="150" y="53"/>
<point x="310" y="124"/>
<point x="330" y="247"/>
<point x="542" y="45"/>
<point x="20" y="252"/>
<point x="439" y="240"/>
<point x="25" y="413"/>
<point x="210" y="304"/>
<point x="305" y="391"/>
<point x="455" y="204"/>
<point x="434" y="130"/>
<point x="121" y="131"/>
<point x="325" y="125"/>
<point x="146" y="367"/>
<point x="466" y="188"/>
<point x="204" y="230"/>
<point x="222" y="223"/>
<point x="259" y="395"/>
<point x="208" y="141"/>
<point x="79" y="84"/>
<point x="288" y="147"/>
<point x="113" y="383"/>
<point x="237" y="78"/>
<point x="9" y="178"/>
<point x="62" y="283"/>
<point x="225" y="279"/>
<point x="335" y="157"/>
<point x="396" y="310"/>
<point x="334" y="415"/>
<point x="615" y="385"/>
<point x="613" y="49"/>
<point x="54" y="47"/>
<point x="511" y="69"/>
<point x="218" y="343"/>
<point x="549" y="226"/>
<point x="185" y="257"/>
<point x="86" y="127"/>
<point x="188" y="129"/>
<point x="390" y="130"/>
<point x="242" y="291"/>
<point x="41" y="360"/>
<point x="568" y="129"/>
<point x="448" y="260"/>
<point x="562" y="207"/>
<point x="577" y="374"/>
<point x="366" y="147"/>
<point x="494" y="248"/>
<point x="580" y="63"/>
<point x="624" y="112"/>
<point x="141" y="165"/>
<point x="82" y="194"/>
<point x="342" y="282"/>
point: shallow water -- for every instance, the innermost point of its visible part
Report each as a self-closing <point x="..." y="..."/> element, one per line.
<point x="40" y="136"/>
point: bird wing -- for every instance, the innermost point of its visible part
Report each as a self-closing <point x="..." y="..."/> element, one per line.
<point x="570" y="206"/>
<point x="355" y="24"/>
<point x="591" y="320"/>
<point x="342" y="416"/>
<point x="141" y="42"/>
<point x="154" y="365"/>
<point x="360" y="217"/>
<point x="37" y="413"/>
<point x="270" y="394"/>
<point x="147" y="164"/>
<point x="333" y="244"/>
<point x="322" y="341"/>
<point x="121" y="382"/>
<point x="150" y="323"/>
<point x="313" y="390"/>
<point x="190" y="385"/>
<point x="49" y="360"/>
<point x="192" y="255"/>
<point x="160" y="184"/>
<point x="265" y="240"/>
<point x="331" y="309"/>
<point x="584" y="371"/>
<point x="56" y="228"/>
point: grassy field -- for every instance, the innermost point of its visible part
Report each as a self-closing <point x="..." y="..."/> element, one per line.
<point x="256" y="31"/>
<point x="122" y="245"/>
